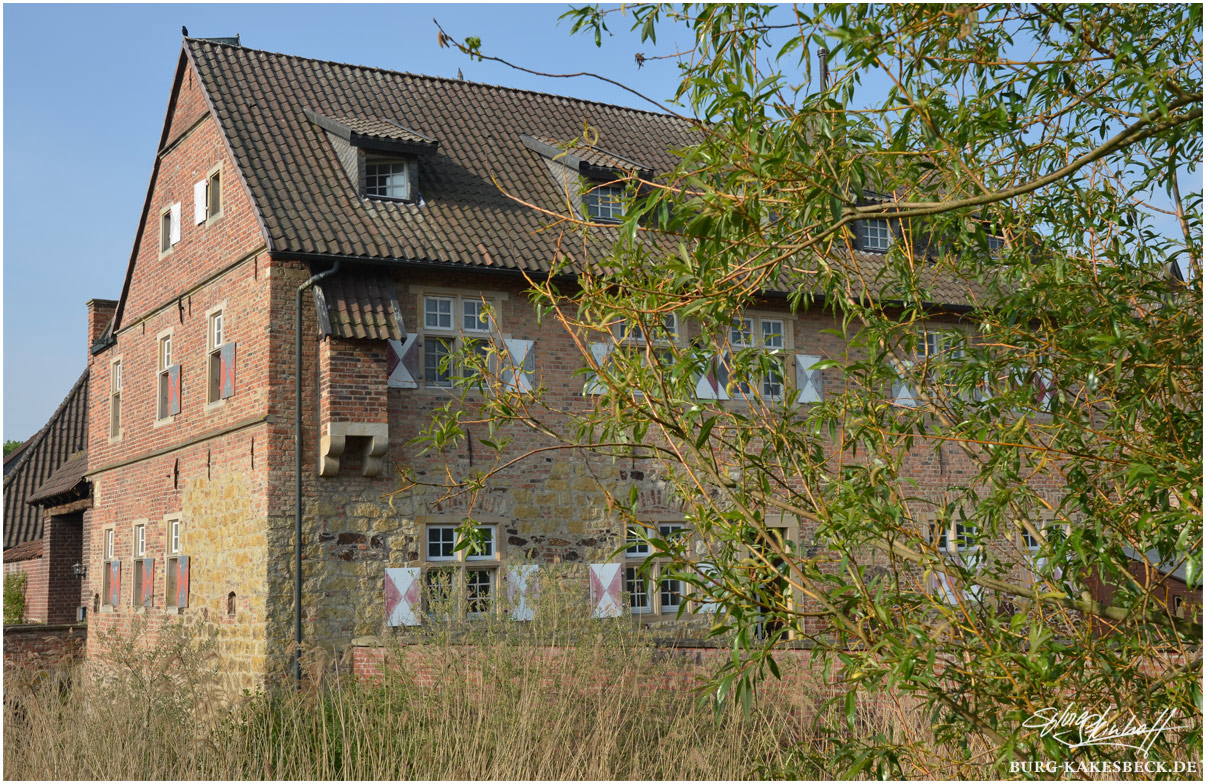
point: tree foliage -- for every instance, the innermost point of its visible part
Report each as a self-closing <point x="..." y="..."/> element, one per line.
<point x="1031" y="162"/>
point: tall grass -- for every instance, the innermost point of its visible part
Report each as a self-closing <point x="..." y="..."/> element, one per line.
<point x="557" y="698"/>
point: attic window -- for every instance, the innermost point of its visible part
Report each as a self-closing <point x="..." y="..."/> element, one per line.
<point x="874" y="234"/>
<point x="387" y="179"/>
<point x="604" y="203"/>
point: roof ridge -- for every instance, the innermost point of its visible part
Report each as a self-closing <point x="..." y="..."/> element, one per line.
<point x="430" y="77"/>
<point x="40" y="436"/>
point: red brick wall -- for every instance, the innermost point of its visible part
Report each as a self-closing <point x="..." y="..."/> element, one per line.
<point x="34" y="570"/>
<point x="42" y="647"/>
<point x="63" y="549"/>
<point x="353" y="381"/>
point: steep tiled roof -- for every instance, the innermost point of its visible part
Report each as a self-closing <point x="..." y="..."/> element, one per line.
<point x="65" y="434"/>
<point x="310" y="206"/>
<point x="63" y="483"/>
<point x="486" y="145"/>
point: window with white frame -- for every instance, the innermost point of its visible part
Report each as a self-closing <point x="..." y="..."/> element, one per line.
<point x="764" y="334"/>
<point x="115" y="399"/>
<point x="1029" y="540"/>
<point x="651" y="587"/>
<point x="110" y="592"/>
<point x="460" y="582"/>
<point x="213" y="194"/>
<point x="388" y="178"/>
<point x="604" y="202"/>
<point x="165" y="382"/>
<point x="173" y="542"/>
<point x="169" y="227"/>
<point x="214" y="341"/>
<point x="176" y="566"/>
<point x="140" y="551"/>
<point x="874" y="234"/>
<point x="452" y="323"/>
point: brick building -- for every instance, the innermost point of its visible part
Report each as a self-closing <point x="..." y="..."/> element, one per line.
<point x="45" y="496"/>
<point x="272" y="169"/>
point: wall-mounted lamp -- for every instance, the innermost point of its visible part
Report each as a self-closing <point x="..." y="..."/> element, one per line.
<point x="79" y="570"/>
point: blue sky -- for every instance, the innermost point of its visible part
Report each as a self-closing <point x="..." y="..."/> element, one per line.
<point x="85" y="91"/>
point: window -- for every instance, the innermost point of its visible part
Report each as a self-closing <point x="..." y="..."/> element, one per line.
<point x="755" y="332"/>
<point x="166" y="380"/>
<point x="651" y="591"/>
<point x="111" y="577"/>
<point x="874" y="234"/>
<point x="176" y="567"/>
<point x="451" y="323"/>
<point x="140" y="540"/>
<point x="169" y="228"/>
<point x="461" y="583"/>
<point x="965" y="537"/>
<point x="213" y="194"/>
<point x="215" y="341"/>
<point x="1029" y="541"/>
<point x="604" y="203"/>
<point x="115" y="399"/>
<point x="940" y="347"/>
<point x="387" y="179"/>
<point x="142" y="573"/>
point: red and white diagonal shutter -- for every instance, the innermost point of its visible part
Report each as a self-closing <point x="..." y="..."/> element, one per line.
<point x="522" y="589"/>
<point x="599" y="352"/>
<point x="182" y="578"/>
<point x="521" y="364"/>
<point x="1044" y="389"/>
<point x="114" y="582"/>
<point x="174" y="235"/>
<point x="712" y="384"/>
<point x="173" y="390"/>
<point x="808" y="381"/>
<point x="148" y="582"/>
<point x="606" y="590"/>
<point x="402" y="362"/>
<point x="403" y="595"/>
<point x="200" y="201"/>
<point x="708" y="570"/>
<point x="226" y="370"/>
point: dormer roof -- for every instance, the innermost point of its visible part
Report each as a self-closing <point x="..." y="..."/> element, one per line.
<point x="375" y="133"/>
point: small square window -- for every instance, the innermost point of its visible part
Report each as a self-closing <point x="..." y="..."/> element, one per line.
<point x="485" y="551"/>
<point x="741" y="334"/>
<point x="670" y="595"/>
<point x="474" y="317"/>
<point x="437" y="312"/>
<point x="965" y="537"/>
<point x="441" y="541"/>
<point x="772" y="333"/>
<point x="387" y="179"/>
<point x="635" y="545"/>
<point x="1029" y="541"/>
<point x="604" y="203"/>
<point x="874" y="234"/>
<point x="479" y="590"/>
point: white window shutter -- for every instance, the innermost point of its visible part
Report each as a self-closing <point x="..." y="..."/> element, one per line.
<point x="709" y="608"/>
<point x="902" y="393"/>
<point x="402" y="362"/>
<point x="808" y="381"/>
<point x="175" y="232"/>
<point x="200" y="201"/>
<point x="709" y="385"/>
<point x="521" y="363"/>
<point x="606" y="590"/>
<point x="522" y="589"/>
<point x="599" y="352"/>
<point x="403" y="596"/>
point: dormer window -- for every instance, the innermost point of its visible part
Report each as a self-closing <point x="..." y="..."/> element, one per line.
<point x="604" y="203"/>
<point x="874" y="234"/>
<point x="387" y="179"/>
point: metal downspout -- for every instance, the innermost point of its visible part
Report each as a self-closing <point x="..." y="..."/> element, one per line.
<point x="297" y="474"/>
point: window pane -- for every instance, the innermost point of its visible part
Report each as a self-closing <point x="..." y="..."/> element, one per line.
<point x="772" y="385"/>
<point x="875" y="234"/>
<point x="437" y="313"/>
<point x="479" y="587"/>
<point x="434" y="352"/>
<point x="635" y="545"/>
<point x="390" y="180"/>
<point x="634" y="583"/>
<point x="772" y="333"/>
<point x="473" y="316"/>
<point x="741" y="333"/>
<point x="486" y="544"/>
<point x="441" y="539"/>
<point x="605" y="202"/>
<point x="671" y="595"/>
